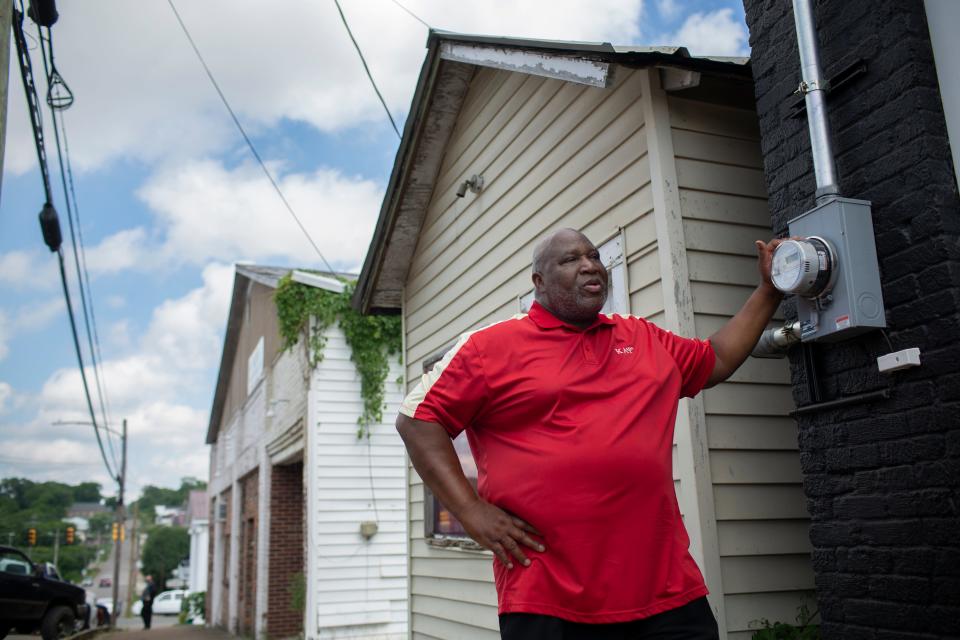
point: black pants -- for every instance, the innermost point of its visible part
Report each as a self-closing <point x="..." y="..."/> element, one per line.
<point x="693" y="621"/>
<point x="146" y="613"/>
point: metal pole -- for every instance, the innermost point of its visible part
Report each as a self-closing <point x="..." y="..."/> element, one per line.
<point x="6" y="17"/>
<point x="121" y="517"/>
<point x="813" y="87"/>
<point x="56" y="548"/>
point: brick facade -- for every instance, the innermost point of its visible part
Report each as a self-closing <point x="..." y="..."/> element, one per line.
<point x="226" y="498"/>
<point x="247" y="592"/>
<point x="881" y="478"/>
<point x="287" y="549"/>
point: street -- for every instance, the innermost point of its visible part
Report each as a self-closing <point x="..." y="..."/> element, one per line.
<point x="101" y="590"/>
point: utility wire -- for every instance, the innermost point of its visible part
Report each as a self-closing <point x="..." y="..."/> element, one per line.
<point x="366" y="68"/>
<point x="26" y="75"/>
<point x="246" y="138"/>
<point x="83" y="375"/>
<point x="412" y="14"/>
<point x="86" y="274"/>
<point x="86" y="295"/>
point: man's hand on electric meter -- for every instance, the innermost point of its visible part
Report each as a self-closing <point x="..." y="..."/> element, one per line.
<point x="495" y="529"/>
<point x="765" y="259"/>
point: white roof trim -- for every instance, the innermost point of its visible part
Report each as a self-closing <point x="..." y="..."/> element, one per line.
<point x="320" y="282"/>
<point x="554" y="65"/>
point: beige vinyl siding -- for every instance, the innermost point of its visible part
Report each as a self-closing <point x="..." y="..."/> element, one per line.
<point x="761" y="517"/>
<point x="553" y="154"/>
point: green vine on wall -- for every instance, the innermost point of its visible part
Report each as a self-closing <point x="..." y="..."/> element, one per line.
<point x="372" y="339"/>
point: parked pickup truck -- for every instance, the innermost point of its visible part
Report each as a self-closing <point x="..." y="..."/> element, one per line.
<point x="33" y="596"/>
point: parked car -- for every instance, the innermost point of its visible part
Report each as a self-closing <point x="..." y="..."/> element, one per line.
<point x="106" y="604"/>
<point x="106" y="582"/>
<point x="32" y="597"/>
<point x="167" y="603"/>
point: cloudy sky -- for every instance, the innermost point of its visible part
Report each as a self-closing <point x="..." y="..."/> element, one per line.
<point x="170" y="198"/>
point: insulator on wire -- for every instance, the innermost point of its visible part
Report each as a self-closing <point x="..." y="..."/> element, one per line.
<point x="43" y="12"/>
<point x="50" y="226"/>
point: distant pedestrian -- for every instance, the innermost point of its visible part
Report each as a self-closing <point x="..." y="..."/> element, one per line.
<point x="149" y="593"/>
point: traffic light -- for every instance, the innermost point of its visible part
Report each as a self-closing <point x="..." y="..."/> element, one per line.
<point x="32" y="537"/>
<point x="69" y="535"/>
<point x="114" y="532"/>
<point x="123" y="532"/>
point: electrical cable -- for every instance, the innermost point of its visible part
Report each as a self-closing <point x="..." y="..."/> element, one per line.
<point x="36" y="121"/>
<point x="86" y="272"/>
<point x="83" y="375"/>
<point x="55" y="104"/>
<point x="365" y="67"/>
<point x="33" y="102"/>
<point x="412" y="14"/>
<point x="249" y="142"/>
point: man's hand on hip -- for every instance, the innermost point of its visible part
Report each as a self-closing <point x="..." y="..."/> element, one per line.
<point x="495" y="529"/>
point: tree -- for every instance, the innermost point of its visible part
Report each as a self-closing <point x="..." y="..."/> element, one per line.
<point x="100" y="523"/>
<point x="87" y="492"/>
<point x="163" y="551"/>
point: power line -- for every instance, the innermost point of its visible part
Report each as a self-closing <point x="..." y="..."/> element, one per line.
<point x="412" y="14"/>
<point x="366" y="68"/>
<point x="83" y="374"/>
<point x="246" y="138"/>
<point x="56" y="104"/>
<point x="86" y="275"/>
<point x="26" y="75"/>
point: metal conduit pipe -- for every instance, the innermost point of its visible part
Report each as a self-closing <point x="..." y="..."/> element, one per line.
<point x="813" y="89"/>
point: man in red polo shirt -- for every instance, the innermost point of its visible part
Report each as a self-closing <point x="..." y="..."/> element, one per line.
<point x="569" y="414"/>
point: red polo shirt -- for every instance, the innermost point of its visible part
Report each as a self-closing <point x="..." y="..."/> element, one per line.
<point x="572" y="431"/>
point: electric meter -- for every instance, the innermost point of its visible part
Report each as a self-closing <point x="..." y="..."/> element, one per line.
<point x="804" y="266"/>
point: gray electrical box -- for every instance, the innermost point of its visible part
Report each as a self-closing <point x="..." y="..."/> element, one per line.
<point x="854" y="304"/>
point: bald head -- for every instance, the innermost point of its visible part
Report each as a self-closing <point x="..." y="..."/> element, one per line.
<point x="568" y="277"/>
<point x="547" y="243"/>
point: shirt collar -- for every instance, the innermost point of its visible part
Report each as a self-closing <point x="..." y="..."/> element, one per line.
<point x="546" y="320"/>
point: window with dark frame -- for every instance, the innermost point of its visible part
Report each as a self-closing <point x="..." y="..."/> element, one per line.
<point x="441" y="528"/>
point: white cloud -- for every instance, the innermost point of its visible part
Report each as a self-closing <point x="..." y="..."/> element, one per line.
<point x="116" y="302"/>
<point x="209" y="212"/>
<point x="668" y="9"/>
<point x="38" y="316"/>
<point x="116" y="252"/>
<point x="6" y="394"/>
<point x="30" y="269"/>
<point x="158" y="388"/>
<point x="141" y="94"/>
<point x="5" y="335"/>
<point x="712" y="34"/>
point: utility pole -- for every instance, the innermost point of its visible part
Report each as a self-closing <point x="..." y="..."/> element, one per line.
<point x="120" y="522"/>
<point x="56" y="548"/>
<point x="6" y="21"/>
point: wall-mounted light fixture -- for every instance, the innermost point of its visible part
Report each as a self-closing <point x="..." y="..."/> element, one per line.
<point x="474" y="184"/>
<point x="271" y="406"/>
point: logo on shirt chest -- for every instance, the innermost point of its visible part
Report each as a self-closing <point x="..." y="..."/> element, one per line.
<point x="623" y="351"/>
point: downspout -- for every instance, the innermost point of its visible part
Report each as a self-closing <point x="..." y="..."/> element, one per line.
<point x="813" y="88"/>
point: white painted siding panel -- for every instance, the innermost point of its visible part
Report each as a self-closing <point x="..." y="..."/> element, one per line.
<point x="762" y="522"/>
<point x="360" y="586"/>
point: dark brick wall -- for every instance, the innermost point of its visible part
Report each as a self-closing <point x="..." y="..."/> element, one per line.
<point x="287" y="549"/>
<point x="881" y="478"/>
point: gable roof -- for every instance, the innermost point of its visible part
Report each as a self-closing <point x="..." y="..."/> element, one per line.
<point x="448" y="68"/>
<point x="268" y="277"/>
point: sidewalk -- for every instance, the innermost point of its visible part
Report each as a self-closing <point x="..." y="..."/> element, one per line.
<point x="179" y="632"/>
